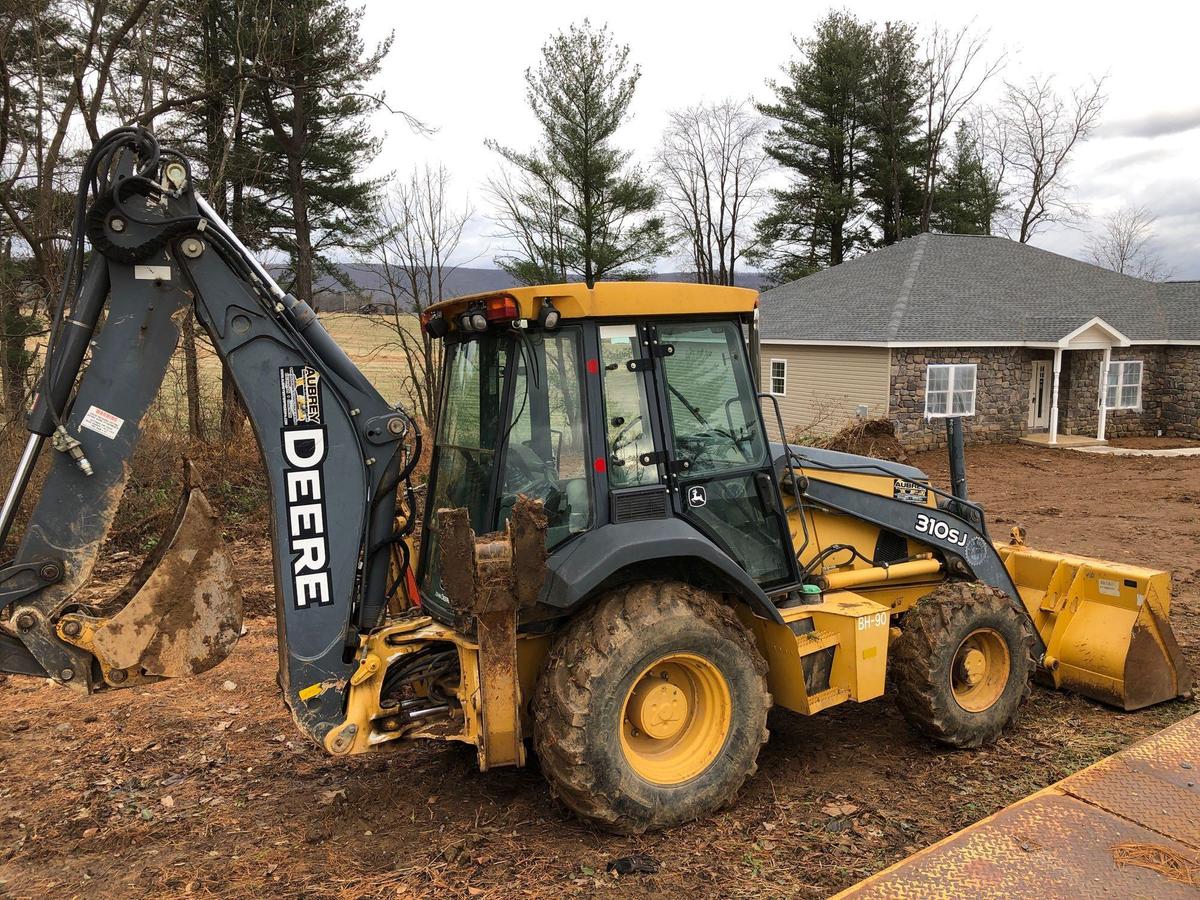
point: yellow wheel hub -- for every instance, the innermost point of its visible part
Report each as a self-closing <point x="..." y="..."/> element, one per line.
<point x="676" y="719"/>
<point x="658" y="709"/>
<point x="980" y="670"/>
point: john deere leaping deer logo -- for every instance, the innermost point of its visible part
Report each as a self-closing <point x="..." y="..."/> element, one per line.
<point x="697" y="496"/>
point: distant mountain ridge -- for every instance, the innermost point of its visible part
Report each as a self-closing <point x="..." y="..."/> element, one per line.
<point x="370" y="285"/>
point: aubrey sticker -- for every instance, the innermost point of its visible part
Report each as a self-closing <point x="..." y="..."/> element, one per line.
<point x="303" y="443"/>
<point x="301" y="390"/>
<point x="101" y="422"/>
<point x="910" y="491"/>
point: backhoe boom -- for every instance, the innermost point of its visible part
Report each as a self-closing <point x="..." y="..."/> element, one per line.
<point x="334" y="451"/>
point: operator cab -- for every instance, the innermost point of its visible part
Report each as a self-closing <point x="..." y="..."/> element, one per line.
<point x="624" y="403"/>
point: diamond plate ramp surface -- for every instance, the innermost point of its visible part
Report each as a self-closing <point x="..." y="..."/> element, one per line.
<point x="1059" y="842"/>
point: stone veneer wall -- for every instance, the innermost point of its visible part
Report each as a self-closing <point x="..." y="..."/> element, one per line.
<point x="1149" y="419"/>
<point x="1080" y="387"/>
<point x="1181" y="392"/>
<point x="1001" y="394"/>
<point x="1079" y="391"/>
<point x="1170" y="393"/>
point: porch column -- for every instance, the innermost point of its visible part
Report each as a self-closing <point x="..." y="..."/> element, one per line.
<point x="1054" y="396"/>
<point x="1102" y="419"/>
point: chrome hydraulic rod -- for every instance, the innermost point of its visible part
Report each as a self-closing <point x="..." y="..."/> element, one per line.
<point x="19" y="482"/>
<point x="215" y="221"/>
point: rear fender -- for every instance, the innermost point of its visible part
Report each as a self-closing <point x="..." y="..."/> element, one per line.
<point x="659" y="548"/>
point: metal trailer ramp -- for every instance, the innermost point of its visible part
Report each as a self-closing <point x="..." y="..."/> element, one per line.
<point x="1066" y="840"/>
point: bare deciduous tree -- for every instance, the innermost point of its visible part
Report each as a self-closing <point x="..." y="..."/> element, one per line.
<point x="56" y="73"/>
<point x="530" y="216"/>
<point x="412" y="246"/>
<point x="1039" y="131"/>
<point x="1123" y="243"/>
<point x="955" y="72"/>
<point x="711" y="163"/>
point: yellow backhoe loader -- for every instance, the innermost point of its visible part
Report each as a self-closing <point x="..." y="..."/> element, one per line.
<point x="615" y="561"/>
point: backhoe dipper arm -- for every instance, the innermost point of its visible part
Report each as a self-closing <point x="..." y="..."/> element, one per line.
<point x="334" y="450"/>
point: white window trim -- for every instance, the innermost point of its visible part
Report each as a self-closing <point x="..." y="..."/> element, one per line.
<point x="1122" y="364"/>
<point x="771" y="377"/>
<point x="953" y="367"/>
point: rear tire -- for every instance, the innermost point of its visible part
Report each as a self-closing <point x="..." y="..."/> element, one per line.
<point x="962" y="664"/>
<point x="651" y="708"/>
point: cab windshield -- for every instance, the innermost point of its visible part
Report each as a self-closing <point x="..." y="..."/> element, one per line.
<point x="512" y="423"/>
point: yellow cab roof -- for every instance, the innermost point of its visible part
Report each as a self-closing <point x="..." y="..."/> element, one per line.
<point x="616" y="298"/>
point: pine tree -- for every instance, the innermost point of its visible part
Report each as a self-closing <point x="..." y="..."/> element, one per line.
<point x="308" y="133"/>
<point x="822" y="141"/>
<point x="893" y="123"/>
<point x="576" y="206"/>
<point x="968" y="196"/>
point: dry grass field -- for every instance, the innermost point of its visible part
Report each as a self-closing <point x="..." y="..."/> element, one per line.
<point x="369" y="340"/>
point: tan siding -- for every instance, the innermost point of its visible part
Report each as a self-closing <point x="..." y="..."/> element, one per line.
<point x="826" y="385"/>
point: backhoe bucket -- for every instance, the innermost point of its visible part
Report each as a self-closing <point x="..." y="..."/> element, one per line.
<point x="1105" y="626"/>
<point x="181" y="614"/>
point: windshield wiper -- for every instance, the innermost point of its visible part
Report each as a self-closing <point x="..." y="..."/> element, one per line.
<point x="684" y="400"/>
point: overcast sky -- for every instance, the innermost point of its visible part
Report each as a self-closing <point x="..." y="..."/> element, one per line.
<point x="459" y="67"/>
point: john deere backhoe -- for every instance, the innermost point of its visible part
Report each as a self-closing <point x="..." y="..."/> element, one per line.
<point x="614" y="560"/>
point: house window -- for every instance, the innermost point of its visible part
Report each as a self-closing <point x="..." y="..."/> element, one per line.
<point x="949" y="391"/>
<point x="779" y="377"/>
<point x="1123" y="389"/>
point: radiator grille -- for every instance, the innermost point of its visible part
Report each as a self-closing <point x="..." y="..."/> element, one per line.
<point x="639" y="504"/>
<point x="890" y="548"/>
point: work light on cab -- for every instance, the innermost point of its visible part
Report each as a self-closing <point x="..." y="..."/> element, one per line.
<point x="474" y="318"/>
<point x="548" y="316"/>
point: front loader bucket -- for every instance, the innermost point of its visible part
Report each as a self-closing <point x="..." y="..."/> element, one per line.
<point x="181" y="614"/>
<point x="1105" y="626"/>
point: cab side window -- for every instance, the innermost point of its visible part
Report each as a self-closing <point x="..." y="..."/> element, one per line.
<point x="627" y="429"/>
<point x="714" y="420"/>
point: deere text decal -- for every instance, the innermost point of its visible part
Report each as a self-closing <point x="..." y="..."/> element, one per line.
<point x="303" y="442"/>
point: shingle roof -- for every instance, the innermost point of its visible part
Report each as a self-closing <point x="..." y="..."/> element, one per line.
<point x="942" y="287"/>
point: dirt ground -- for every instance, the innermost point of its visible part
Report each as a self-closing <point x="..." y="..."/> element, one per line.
<point x="203" y="788"/>
<point x="1153" y="443"/>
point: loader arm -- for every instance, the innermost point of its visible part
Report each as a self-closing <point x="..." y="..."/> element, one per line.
<point x="335" y="453"/>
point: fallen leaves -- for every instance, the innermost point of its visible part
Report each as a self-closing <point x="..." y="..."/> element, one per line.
<point x="839" y="809"/>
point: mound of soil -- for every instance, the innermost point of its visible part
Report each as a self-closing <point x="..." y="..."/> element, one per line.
<point x="869" y="437"/>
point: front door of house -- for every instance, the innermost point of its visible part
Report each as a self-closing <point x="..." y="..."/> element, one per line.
<point x="1039" y="394"/>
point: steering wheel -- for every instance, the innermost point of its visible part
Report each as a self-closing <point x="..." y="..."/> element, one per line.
<point x="529" y="474"/>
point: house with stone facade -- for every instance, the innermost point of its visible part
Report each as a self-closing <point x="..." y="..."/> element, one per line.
<point x="1022" y="342"/>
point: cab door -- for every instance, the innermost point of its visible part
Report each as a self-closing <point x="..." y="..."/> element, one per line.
<point x="716" y="454"/>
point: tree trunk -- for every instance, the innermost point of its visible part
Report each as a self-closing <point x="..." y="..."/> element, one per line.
<point x="192" y="379"/>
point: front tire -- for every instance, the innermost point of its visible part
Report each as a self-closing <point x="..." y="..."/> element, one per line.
<point x="651" y="708"/>
<point x="962" y="664"/>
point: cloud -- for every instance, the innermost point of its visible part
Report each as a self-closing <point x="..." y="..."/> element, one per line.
<point x="1121" y="163"/>
<point x="1155" y="124"/>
